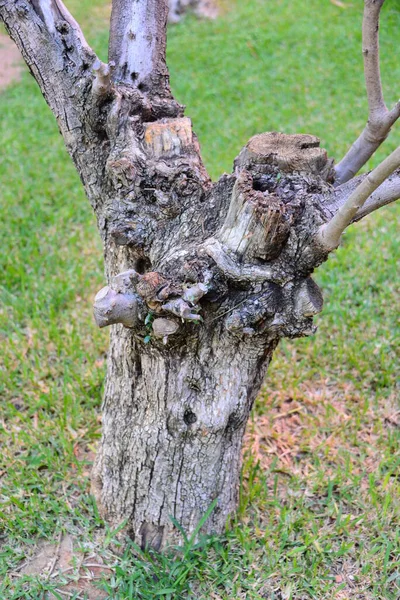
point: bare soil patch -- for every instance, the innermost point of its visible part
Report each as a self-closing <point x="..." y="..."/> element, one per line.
<point x="58" y="562"/>
<point x="10" y="61"/>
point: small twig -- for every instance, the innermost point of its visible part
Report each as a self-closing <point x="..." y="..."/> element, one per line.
<point x="56" y="555"/>
<point x="21" y="566"/>
<point x="62" y="572"/>
<point x="99" y="566"/>
<point x="228" y="311"/>
<point x="329" y="234"/>
<point x="286" y="414"/>
<point x="102" y="80"/>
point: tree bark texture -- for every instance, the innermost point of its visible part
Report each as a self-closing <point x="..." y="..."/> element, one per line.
<point x="202" y="278"/>
<point x="173" y="424"/>
<point x="212" y="286"/>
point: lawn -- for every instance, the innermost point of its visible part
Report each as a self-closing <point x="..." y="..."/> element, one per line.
<point x="320" y="494"/>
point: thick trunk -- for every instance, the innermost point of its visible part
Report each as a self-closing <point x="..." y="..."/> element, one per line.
<point x="173" y="422"/>
<point x="197" y="307"/>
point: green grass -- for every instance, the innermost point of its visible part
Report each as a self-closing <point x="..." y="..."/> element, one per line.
<point x="320" y="497"/>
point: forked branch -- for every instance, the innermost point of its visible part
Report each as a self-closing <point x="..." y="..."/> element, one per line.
<point x="386" y="193"/>
<point x="329" y="235"/>
<point x="54" y="11"/>
<point x="380" y="119"/>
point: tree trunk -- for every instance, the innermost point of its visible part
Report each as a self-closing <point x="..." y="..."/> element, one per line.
<point x="197" y="309"/>
<point x="203" y="279"/>
<point x="173" y="422"/>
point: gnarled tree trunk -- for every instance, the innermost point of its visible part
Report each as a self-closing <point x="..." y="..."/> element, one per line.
<point x="204" y="301"/>
<point x="203" y="278"/>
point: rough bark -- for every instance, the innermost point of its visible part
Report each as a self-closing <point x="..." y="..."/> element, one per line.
<point x="173" y="423"/>
<point x="216" y="296"/>
<point x="202" y="279"/>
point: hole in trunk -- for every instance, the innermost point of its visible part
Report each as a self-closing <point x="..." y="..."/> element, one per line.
<point x="189" y="417"/>
<point x="151" y="536"/>
<point x="264" y="183"/>
<point x="142" y="265"/>
<point x="235" y="421"/>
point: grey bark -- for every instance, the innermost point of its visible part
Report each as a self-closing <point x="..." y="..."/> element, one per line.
<point x="330" y="233"/>
<point x="174" y="418"/>
<point x="202" y="279"/>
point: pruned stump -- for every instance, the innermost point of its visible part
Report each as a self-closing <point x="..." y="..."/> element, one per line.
<point x="260" y="215"/>
<point x="257" y="224"/>
<point x="287" y="153"/>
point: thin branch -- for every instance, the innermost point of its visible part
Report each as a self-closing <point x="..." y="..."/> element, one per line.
<point x="370" y="37"/>
<point x="380" y="119"/>
<point x="138" y="43"/>
<point x="386" y="193"/>
<point x="329" y="234"/>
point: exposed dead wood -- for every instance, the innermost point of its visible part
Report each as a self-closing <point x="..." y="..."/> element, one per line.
<point x="296" y="152"/>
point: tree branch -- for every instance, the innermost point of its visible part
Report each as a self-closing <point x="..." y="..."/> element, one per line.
<point x="380" y="119"/>
<point x="329" y="234"/>
<point x="57" y="54"/>
<point x="54" y="11"/>
<point x="138" y="43"/>
<point x="386" y="193"/>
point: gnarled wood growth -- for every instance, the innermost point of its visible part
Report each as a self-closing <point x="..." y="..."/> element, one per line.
<point x="203" y="278"/>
